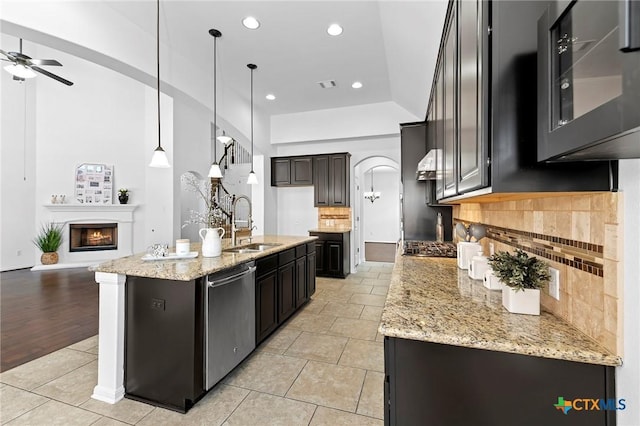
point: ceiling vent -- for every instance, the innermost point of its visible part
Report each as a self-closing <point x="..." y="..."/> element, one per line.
<point x="327" y="84"/>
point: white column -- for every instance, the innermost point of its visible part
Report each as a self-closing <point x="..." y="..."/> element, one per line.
<point x="110" y="387"/>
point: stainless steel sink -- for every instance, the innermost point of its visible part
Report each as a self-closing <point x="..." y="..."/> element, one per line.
<point x="252" y="248"/>
<point x="241" y="250"/>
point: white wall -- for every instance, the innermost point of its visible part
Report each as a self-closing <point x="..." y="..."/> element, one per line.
<point x="361" y="121"/>
<point x="17" y="168"/>
<point x="381" y="218"/>
<point x="296" y="213"/>
<point x="628" y="376"/>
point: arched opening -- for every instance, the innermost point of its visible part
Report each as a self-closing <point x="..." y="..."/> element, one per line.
<point x="376" y="218"/>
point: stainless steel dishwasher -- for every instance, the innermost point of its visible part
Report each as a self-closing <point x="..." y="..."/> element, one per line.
<point x="230" y="329"/>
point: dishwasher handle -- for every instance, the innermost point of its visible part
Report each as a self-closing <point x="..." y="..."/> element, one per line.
<point x="227" y="280"/>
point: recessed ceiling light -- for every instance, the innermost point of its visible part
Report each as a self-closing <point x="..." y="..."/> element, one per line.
<point x="250" y="22"/>
<point x="271" y="96"/>
<point x="356" y="85"/>
<point x="334" y="30"/>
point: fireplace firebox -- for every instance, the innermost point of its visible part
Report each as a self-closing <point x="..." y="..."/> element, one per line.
<point x="93" y="236"/>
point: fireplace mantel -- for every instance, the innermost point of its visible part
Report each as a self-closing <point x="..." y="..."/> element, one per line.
<point x="65" y="214"/>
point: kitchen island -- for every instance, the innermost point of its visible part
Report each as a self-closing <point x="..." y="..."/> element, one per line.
<point x="153" y="325"/>
<point x="454" y="355"/>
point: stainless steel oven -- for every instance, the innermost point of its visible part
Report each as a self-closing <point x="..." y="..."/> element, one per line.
<point x="589" y="80"/>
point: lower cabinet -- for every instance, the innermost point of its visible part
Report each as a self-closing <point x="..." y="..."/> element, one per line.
<point x="436" y="384"/>
<point x="332" y="254"/>
<point x="164" y="317"/>
<point x="284" y="282"/>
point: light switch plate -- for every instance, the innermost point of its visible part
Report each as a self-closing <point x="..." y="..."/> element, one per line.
<point x="554" y="283"/>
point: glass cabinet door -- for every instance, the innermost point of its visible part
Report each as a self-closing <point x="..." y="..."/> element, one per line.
<point x="586" y="64"/>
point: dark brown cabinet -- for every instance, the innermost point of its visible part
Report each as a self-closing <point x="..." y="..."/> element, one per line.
<point x="331" y="180"/>
<point x="266" y="296"/>
<point x="482" y="102"/>
<point x="424" y="382"/>
<point x="284" y="282"/>
<point x="164" y="317"/>
<point x="332" y="254"/>
<point x="292" y="171"/>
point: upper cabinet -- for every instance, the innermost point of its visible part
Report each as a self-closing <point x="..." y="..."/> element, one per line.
<point x="331" y="180"/>
<point x="589" y="97"/>
<point x="292" y="171"/>
<point x="483" y="107"/>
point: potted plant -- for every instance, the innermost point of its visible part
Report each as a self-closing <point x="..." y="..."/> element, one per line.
<point x="523" y="277"/>
<point x="123" y="195"/>
<point x="49" y="240"/>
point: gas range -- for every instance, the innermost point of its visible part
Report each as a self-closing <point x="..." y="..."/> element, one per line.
<point x="428" y="249"/>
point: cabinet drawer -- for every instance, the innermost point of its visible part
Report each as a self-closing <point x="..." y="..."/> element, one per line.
<point x="311" y="247"/>
<point x="286" y="256"/>
<point x="301" y="250"/>
<point x="266" y="264"/>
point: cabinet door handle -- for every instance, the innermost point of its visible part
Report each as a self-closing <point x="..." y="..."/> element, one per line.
<point x="629" y="25"/>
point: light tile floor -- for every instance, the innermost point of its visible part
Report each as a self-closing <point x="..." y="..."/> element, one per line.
<point x="322" y="367"/>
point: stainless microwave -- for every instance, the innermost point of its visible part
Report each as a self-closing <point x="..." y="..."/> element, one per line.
<point x="589" y="80"/>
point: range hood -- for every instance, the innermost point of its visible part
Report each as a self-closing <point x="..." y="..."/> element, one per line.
<point x="427" y="166"/>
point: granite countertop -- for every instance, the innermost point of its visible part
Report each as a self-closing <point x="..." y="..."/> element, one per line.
<point x="189" y="269"/>
<point x="431" y="300"/>
<point x="331" y="230"/>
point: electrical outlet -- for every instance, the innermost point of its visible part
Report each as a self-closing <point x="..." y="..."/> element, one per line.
<point x="554" y="283"/>
<point x="158" y="304"/>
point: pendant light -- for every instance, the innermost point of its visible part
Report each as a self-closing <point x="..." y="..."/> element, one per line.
<point x="252" y="179"/>
<point x="372" y="195"/>
<point x="159" y="158"/>
<point x="214" y="171"/>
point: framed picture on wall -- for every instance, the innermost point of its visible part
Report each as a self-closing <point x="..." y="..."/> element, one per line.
<point x="94" y="183"/>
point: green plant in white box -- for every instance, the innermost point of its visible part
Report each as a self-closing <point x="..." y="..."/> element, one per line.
<point x="523" y="276"/>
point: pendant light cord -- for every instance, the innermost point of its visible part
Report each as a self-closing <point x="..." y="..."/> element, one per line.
<point x="215" y="109"/>
<point x="252" y="119"/>
<point x="158" y="63"/>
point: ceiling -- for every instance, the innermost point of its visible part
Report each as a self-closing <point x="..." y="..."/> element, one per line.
<point x="390" y="46"/>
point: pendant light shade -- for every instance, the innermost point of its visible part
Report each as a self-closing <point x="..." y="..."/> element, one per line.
<point x="159" y="159"/>
<point x="225" y="139"/>
<point x="252" y="179"/>
<point x="214" y="170"/>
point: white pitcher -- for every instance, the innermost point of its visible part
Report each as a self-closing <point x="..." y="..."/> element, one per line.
<point x="211" y="241"/>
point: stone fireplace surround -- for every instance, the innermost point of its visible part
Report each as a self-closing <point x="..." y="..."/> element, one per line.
<point x="64" y="214"/>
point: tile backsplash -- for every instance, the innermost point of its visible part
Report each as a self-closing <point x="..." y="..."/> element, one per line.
<point x="580" y="235"/>
<point x="334" y="217"/>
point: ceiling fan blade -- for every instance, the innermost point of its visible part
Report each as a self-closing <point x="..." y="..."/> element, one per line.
<point x="52" y="62"/>
<point x="16" y="78"/>
<point x="8" y="55"/>
<point x="55" y="77"/>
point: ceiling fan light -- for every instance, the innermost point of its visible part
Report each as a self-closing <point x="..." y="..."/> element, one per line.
<point x="20" y="71"/>
<point x="214" y="171"/>
<point x="252" y="179"/>
<point x="159" y="159"/>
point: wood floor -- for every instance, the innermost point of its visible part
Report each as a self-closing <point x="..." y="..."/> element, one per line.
<point x="43" y="311"/>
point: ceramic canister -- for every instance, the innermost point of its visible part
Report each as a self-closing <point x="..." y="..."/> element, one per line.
<point x="491" y="281"/>
<point x="465" y="251"/>
<point x="478" y="266"/>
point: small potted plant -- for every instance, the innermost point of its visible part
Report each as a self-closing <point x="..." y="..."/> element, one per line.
<point x="49" y="240"/>
<point x="123" y="195"/>
<point x="523" y="277"/>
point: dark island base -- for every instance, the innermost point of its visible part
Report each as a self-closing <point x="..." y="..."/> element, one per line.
<point x="435" y="384"/>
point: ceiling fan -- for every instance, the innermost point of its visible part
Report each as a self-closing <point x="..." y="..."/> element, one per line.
<point x="23" y="66"/>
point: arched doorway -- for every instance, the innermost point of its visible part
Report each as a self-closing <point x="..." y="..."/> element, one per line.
<point x="377" y="222"/>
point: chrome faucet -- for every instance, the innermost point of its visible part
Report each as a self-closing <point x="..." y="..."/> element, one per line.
<point x="234" y="228"/>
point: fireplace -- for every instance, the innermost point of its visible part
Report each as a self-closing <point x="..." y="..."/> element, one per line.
<point x="93" y="236"/>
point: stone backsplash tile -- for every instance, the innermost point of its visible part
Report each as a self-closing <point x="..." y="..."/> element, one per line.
<point x="581" y="235"/>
